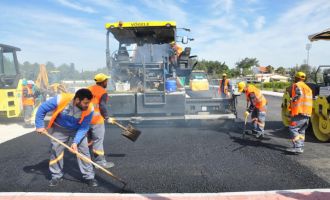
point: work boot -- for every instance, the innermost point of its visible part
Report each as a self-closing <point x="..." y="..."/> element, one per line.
<point x="92" y="182"/>
<point x="259" y="135"/>
<point x="295" y="150"/>
<point x="54" y="182"/>
<point x="106" y="164"/>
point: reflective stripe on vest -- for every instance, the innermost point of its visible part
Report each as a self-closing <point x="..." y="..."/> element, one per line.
<point x="28" y="101"/>
<point x="98" y="92"/>
<point x="304" y="104"/>
<point x="65" y="99"/>
<point x="225" y="87"/>
<point x="259" y="101"/>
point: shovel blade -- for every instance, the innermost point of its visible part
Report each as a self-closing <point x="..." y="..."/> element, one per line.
<point x="131" y="133"/>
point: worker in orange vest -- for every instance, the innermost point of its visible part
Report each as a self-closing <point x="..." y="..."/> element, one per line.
<point x="258" y="104"/>
<point x="97" y="128"/>
<point x="28" y="101"/>
<point x="224" y="86"/>
<point x="301" y="107"/>
<point x="176" y="51"/>
<point x="72" y="114"/>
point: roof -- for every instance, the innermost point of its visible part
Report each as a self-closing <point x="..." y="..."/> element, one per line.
<point x="8" y="48"/>
<point x="152" y="32"/>
<point x="324" y="35"/>
<point x="263" y="69"/>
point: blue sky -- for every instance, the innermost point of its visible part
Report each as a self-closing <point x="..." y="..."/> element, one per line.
<point x="72" y="31"/>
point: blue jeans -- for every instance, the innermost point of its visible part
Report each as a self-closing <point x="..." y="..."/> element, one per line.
<point x="258" y="120"/>
<point x="297" y="129"/>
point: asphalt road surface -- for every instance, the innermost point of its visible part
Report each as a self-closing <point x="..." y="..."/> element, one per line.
<point x="167" y="158"/>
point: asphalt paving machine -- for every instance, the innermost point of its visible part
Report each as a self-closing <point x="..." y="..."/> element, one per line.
<point x="147" y="84"/>
<point x="320" y="119"/>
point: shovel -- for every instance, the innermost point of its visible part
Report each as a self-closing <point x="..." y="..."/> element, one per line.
<point x="129" y="132"/>
<point x="85" y="158"/>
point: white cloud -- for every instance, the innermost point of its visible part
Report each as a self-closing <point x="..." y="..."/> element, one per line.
<point x="259" y="22"/>
<point x="281" y="43"/>
<point x="49" y="36"/>
<point x="221" y="6"/>
<point x="76" y="6"/>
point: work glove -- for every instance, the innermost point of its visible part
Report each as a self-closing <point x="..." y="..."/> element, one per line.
<point x="246" y="114"/>
<point x="111" y="120"/>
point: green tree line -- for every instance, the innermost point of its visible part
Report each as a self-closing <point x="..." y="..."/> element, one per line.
<point x="30" y="71"/>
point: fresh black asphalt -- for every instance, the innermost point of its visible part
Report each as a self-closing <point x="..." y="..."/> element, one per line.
<point x="168" y="158"/>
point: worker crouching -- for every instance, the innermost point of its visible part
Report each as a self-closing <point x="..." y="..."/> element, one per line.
<point x="258" y="106"/>
<point x="301" y="106"/>
<point x="72" y="114"/>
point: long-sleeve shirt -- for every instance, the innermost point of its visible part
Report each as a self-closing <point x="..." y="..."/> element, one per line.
<point x="298" y="94"/>
<point x="252" y="98"/>
<point x="68" y="118"/>
<point x="103" y="106"/>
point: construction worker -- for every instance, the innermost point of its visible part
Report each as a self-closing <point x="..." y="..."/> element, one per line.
<point x="257" y="106"/>
<point x="175" y="52"/>
<point x="224" y="86"/>
<point x="28" y="101"/>
<point x="97" y="128"/>
<point x="301" y="106"/>
<point x="72" y="114"/>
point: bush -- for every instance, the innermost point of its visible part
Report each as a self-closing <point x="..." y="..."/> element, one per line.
<point x="275" y="86"/>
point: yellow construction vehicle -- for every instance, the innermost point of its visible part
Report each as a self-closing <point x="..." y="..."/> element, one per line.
<point x="10" y="83"/>
<point x="198" y="81"/>
<point x="320" y="119"/>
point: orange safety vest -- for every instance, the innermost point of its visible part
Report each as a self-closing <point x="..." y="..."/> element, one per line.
<point x="65" y="99"/>
<point x="225" y="87"/>
<point x="28" y="101"/>
<point x="178" y="50"/>
<point x="303" y="105"/>
<point x="97" y="92"/>
<point x="260" y="101"/>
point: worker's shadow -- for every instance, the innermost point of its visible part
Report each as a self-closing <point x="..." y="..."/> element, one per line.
<point x="42" y="168"/>
<point x="38" y="169"/>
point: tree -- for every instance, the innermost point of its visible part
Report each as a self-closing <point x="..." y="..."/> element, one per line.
<point x="281" y="71"/>
<point x="213" y="68"/>
<point x="245" y="65"/>
<point x="270" y="69"/>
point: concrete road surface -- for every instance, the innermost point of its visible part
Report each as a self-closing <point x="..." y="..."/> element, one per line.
<point x="167" y="158"/>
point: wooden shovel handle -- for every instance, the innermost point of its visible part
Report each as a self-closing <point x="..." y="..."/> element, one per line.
<point x="85" y="158"/>
<point x="121" y="126"/>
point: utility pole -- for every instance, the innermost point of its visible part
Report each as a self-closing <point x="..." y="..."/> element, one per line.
<point x="308" y="47"/>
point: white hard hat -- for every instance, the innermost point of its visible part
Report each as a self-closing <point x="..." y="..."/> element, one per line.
<point x="30" y="82"/>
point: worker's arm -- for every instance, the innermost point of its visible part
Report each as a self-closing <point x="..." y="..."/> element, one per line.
<point x="83" y="129"/>
<point x="44" y="108"/>
<point x="298" y="93"/>
<point x="230" y="87"/>
<point x="252" y="98"/>
<point x="103" y="106"/>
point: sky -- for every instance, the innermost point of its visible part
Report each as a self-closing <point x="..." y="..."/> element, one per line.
<point x="73" y="31"/>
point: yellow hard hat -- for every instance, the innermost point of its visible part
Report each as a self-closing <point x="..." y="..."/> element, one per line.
<point x="101" y="77"/>
<point x="300" y="75"/>
<point x="241" y="85"/>
<point x="172" y="43"/>
<point x="224" y="74"/>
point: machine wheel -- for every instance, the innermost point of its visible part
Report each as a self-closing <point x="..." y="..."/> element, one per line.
<point x="284" y="109"/>
<point x="320" y="119"/>
<point x="316" y="129"/>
